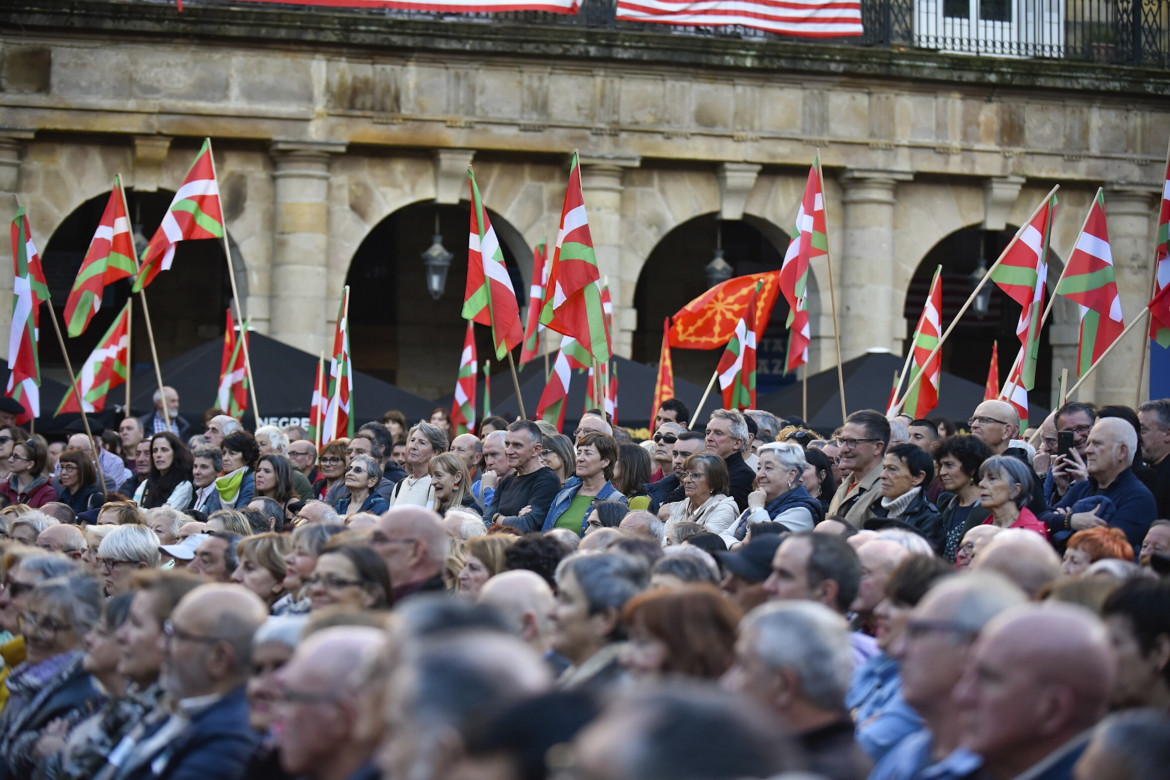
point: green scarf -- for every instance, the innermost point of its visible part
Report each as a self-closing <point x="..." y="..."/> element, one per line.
<point x="229" y="487"/>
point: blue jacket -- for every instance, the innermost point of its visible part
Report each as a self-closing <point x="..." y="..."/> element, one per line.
<point x="875" y="697"/>
<point x="217" y="744"/>
<point x="661" y="491"/>
<point x="374" y="503"/>
<point x="561" y="503"/>
<point x="1134" y="502"/>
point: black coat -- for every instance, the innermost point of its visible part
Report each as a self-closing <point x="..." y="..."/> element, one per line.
<point x="921" y="516"/>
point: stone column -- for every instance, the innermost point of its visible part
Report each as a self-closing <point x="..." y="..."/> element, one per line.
<point x="298" y="310"/>
<point x="10" y="153"/>
<point x="1129" y="208"/>
<point x="867" y="296"/>
<point x="601" y="181"/>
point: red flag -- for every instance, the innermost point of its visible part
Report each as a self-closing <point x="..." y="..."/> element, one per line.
<point x="810" y="239"/>
<point x="105" y="369"/>
<point x="233" y="375"/>
<point x="316" y="420"/>
<point x="463" y="411"/>
<point x="556" y="392"/>
<point x="991" y="391"/>
<point x="110" y="257"/>
<point x="708" y="322"/>
<point x="540" y="269"/>
<point x="923" y="398"/>
<point x="737" y="367"/>
<point x="490" y="299"/>
<point x="29" y="291"/>
<point x="664" y="387"/>
<point x="611" y="397"/>
<point x="893" y="395"/>
<point x="1160" y="308"/>
<point x="1159" y="330"/>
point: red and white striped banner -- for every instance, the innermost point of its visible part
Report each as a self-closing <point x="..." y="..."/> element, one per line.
<point x="801" y="18"/>
<point x="446" y="6"/>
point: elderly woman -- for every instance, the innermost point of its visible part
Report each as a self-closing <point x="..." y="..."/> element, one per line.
<point x="121" y="513"/>
<point x="597" y="454"/>
<point x="362" y="476"/>
<point x="906" y="470"/>
<point x="227" y="521"/>
<point x="559" y="456"/>
<point x="1005" y="488"/>
<point x="206" y="464"/>
<point x="331" y="467"/>
<point x="166" y="523"/>
<point x="272" y="648"/>
<point x="24" y="569"/>
<point x="708" y="502"/>
<point x="307" y="543"/>
<point x="780" y="495"/>
<point x="274" y="479"/>
<point x="684" y="632"/>
<point x="127" y="549"/>
<point x="451" y="482"/>
<point x="960" y="510"/>
<point x="592" y="591"/>
<point x="1091" y="545"/>
<point x="51" y="686"/>
<point x="424" y="442"/>
<point x="27" y="482"/>
<point x="483" y="558"/>
<point x="237" y="484"/>
<point x="26" y="528"/>
<point x="350" y="576"/>
<point x="263" y="565"/>
<point x="79" y="487"/>
<point x="94" y="535"/>
<point x="169" y="482"/>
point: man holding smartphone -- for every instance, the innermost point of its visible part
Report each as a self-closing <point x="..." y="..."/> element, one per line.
<point x="1074" y="421"/>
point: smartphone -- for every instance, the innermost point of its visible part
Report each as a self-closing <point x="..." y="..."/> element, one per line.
<point x="1064" y="442"/>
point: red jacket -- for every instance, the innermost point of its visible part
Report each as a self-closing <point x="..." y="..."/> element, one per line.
<point x="39" y="493"/>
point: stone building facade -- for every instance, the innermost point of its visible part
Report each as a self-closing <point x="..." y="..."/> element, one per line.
<point x="325" y="124"/>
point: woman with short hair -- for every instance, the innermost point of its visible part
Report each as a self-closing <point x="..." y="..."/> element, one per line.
<point x="237" y="484"/>
<point x="307" y="543"/>
<point x="780" y="495"/>
<point x="708" y="501"/>
<point x="423" y="442"/>
<point x="906" y="471"/>
<point x="206" y="465"/>
<point x="1005" y="489"/>
<point x="331" y="465"/>
<point x="127" y="549"/>
<point x="166" y="523"/>
<point x="361" y="477"/>
<point x="597" y="455"/>
<point x="79" y="487"/>
<point x="348" y="575"/>
<point x="27" y="482"/>
<point x="51" y="686"/>
<point x="263" y="565"/>
<point x="686" y="632"/>
<point x="958" y="459"/>
<point x="121" y="513"/>
<point x="1094" y="544"/>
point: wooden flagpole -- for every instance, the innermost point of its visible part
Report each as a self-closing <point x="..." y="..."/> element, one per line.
<point x="75" y="388"/>
<point x="1136" y="320"/>
<point x="149" y="328"/>
<point x="971" y="298"/>
<point x="703" y="400"/>
<point x="129" y="351"/>
<point x="804" y="394"/>
<point x="1063" y="384"/>
<point x="832" y="302"/>
<point x="516" y="384"/>
<point x="243" y="325"/>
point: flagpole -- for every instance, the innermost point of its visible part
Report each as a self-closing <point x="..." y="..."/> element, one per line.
<point x="1146" y="341"/>
<point x="149" y="328"/>
<point x="1063" y="384"/>
<point x="832" y="299"/>
<point x="804" y="394"/>
<point x="703" y="400"/>
<point x="516" y="384"/>
<point x="971" y="298"/>
<point x="75" y="388"/>
<point x="227" y="250"/>
<point x="129" y="350"/>
<point x="1139" y="318"/>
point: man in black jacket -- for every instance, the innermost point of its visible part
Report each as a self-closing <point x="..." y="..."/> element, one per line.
<point x="533" y="485"/>
<point x="727" y="436"/>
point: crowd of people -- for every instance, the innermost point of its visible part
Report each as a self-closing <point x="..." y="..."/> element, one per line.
<point x="735" y="597"/>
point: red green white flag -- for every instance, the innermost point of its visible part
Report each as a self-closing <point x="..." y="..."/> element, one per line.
<point x="316" y="419"/>
<point x="991" y="389"/>
<point x="923" y="398"/>
<point x="737" y="367"/>
<point x="1022" y="274"/>
<point x="664" y="386"/>
<point x="110" y="257"/>
<point x="572" y="302"/>
<point x="106" y="368"/>
<point x="487" y="389"/>
<point x="195" y="213"/>
<point x="339" y="406"/>
<point x="533" y="328"/>
<point x="1160" y="308"/>
<point x="611" y="394"/>
<point x="29" y="291"/>
<point x="463" y="411"/>
<point x="1160" y="331"/>
<point x="1090" y="280"/>
<point x="490" y="299"/>
<point x="556" y="391"/>
<point x="1014" y="391"/>
<point x="810" y="240"/>
<point x="232" y="395"/>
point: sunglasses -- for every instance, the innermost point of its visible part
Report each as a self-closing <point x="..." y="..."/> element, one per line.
<point x="665" y="438"/>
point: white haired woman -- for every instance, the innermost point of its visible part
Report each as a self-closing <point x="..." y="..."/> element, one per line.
<point x="780" y="496"/>
<point x="127" y="549"/>
<point x="424" y="442"/>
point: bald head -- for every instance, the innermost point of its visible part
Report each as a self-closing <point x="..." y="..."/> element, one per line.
<point x="330" y="660"/>
<point x="995" y="423"/>
<point x="1038" y="676"/>
<point x="224" y="618"/>
<point x="527" y="600"/>
<point x="1024" y="557"/>
<point x="67" y="539"/>
<point x="413" y="542"/>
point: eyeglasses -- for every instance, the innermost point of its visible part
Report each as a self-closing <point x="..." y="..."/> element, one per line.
<point x="848" y="444"/>
<point x="355" y="470"/>
<point x="30" y="622"/>
<point x="109" y="563"/>
<point x="171" y="631"/>
<point x="916" y="629"/>
<point x="16" y="589"/>
<point x="67" y="467"/>
<point x="331" y="461"/>
<point x="293" y="696"/>
<point x="292" y="454"/>
<point x="694" y="476"/>
<point x="329" y="582"/>
<point x="1081" y="429"/>
<point x="5" y="439"/>
<point x="378" y="538"/>
<point x="665" y="438"/>
<point x="981" y="420"/>
<point x="14" y="456"/>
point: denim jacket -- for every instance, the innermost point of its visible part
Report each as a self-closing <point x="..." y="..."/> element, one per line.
<point x="561" y="503"/>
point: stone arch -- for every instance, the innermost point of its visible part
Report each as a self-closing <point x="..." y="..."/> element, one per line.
<point x="199" y="273"/>
<point x="398" y="333"/>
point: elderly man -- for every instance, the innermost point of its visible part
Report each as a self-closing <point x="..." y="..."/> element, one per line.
<point x="528" y="601"/>
<point x="130" y="432"/>
<point x="669" y="489"/>
<point x="1109" y="454"/>
<point x="643" y="525"/>
<point x="495" y="465"/>
<point x="1023" y="557"/>
<point x="303" y="455"/>
<point x="219" y="427"/>
<point x="470" y="448"/>
<point x="1154" y="417"/>
<point x="207" y="657"/>
<point x="273" y="441"/>
<point x="879" y="557"/>
<point x="216" y="557"/>
<point x="534" y="485"/>
<point x="996" y="424"/>
<point x="767" y="427"/>
<point x="155" y="422"/>
<point x="664" y="438"/>
<point x="591" y="422"/>
<point x="821" y="568"/>
<point x="317" y="729"/>
<point x="795" y="658"/>
<point x="414" y="544"/>
<point x="863" y="442"/>
<point x="114" y="469"/>
<point x="727" y="437"/>
<point x="65" y="539"/>
<point x="932" y="655"/>
<point x="1037" y="679"/>
<point x="316" y="512"/>
<point x="672" y="410"/>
